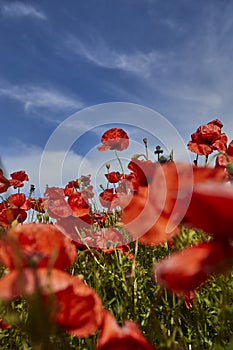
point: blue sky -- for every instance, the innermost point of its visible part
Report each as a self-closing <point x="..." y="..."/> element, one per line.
<point x="58" y="58"/>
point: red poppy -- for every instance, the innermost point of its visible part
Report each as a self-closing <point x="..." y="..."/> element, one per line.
<point x="4" y="325"/>
<point x="18" y="178"/>
<point x="208" y="138"/>
<point x="74" y="228"/>
<point x="155" y="211"/>
<point x="210" y="209"/>
<point x="19" y="201"/>
<point x="77" y="308"/>
<point x="110" y="238"/>
<point x="99" y="218"/>
<point x="4" y="183"/>
<point x="36" y="245"/>
<point x="56" y="204"/>
<point x="114" y="177"/>
<point x="186" y="270"/>
<point x="54" y="193"/>
<point x="8" y="215"/>
<point x="142" y="171"/>
<point x="88" y="192"/>
<point x="85" y="180"/>
<point x="79" y="204"/>
<point x="109" y="199"/>
<point x="143" y="220"/>
<point x="71" y="187"/>
<point x="37" y="204"/>
<point x="223" y="159"/>
<point x="114" y="138"/>
<point x="114" y="337"/>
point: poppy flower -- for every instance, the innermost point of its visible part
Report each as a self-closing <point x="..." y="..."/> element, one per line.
<point x="114" y="337"/>
<point x="109" y="199"/>
<point x="8" y="215"/>
<point x="223" y="159"/>
<point x="88" y="192"/>
<point x="74" y="228"/>
<point x="113" y="177"/>
<point x="99" y="218"/>
<point x="186" y="270"/>
<point x="85" y="180"/>
<point x="56" y="204"/>
<point x="4" y="183"/>
<point x="208" y="138"/>
<point x="71" y="187"/>
<point x="155" y="211"/>
<point x="110" y="238"/>
<point x="142" y="171"/>
<point x="79" y="204"/>
<point x="4" y="325"/>
<point x="114" y="139"/>
<point x="37" y="204"/>
<point x="37" y="245"/>
<point x="76" y="307"/>
<point x="143" y="221"/>
<point x="19" y="201"/>
<point x="210" y="209"/>
<point x="18" y="178"/>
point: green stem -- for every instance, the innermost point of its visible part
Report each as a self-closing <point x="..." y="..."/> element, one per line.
<point x="119" y="161"/>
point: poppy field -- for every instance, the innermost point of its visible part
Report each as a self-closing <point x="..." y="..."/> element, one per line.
<point x="148" y="267"/>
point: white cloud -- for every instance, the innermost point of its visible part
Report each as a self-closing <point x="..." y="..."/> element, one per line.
<point x="19" y="9"/>
<point x="37" y="97"/>
<point x="100" y="54"/>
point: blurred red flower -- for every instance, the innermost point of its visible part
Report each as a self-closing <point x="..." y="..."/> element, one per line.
<point x="109" y="199"/>
<point x="76" y="307"/>
<point x="186" y="270"/>
<point x="141" y="172"/>
<point x="4" y="183"/>
<point x="37" y="245"/>
<point x="208" y="138"/>
<point x="114" y="337"/>
<point x="4" y="325"/>
<point x="74" y="228"/>
<point x="155" y="211"/>
<point x="8" y="215"/>
<point x="114" y="139"/>
<point x="56" y="204"/>
<point x="210" y="209"/>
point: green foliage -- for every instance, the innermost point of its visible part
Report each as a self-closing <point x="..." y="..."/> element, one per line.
<point x="128" y="289"/>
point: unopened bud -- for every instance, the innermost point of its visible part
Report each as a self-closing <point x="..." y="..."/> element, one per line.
<point x="107" y="165"/>
<point x="135" y="156"/>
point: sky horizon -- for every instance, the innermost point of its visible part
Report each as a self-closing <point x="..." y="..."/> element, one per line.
<point x="174" y="58"/>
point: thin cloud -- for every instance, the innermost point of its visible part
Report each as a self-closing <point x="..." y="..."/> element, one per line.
<point x="37" y="97"/>
<point x="19" y="9"/>
<point x="100" y="54"/>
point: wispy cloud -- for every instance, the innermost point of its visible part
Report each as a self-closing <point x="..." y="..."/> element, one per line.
<point x="99" y="53"/>
<point x="37" y="97"/>
<point x="19" y="9"/>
